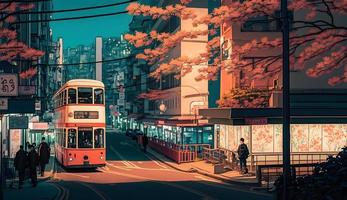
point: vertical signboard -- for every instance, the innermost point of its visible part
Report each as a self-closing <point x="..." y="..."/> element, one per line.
<point x="8" y="85"/>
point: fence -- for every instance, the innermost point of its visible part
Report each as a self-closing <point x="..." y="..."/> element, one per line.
<point x="270" y="173"/>
<point x="257" y="159"/>
<point x="221" y="156"/>
<point x="177" y="152"/>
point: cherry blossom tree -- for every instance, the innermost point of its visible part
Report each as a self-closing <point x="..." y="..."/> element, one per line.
<point x="318" y="39"/>
<point x="10" y="47"/>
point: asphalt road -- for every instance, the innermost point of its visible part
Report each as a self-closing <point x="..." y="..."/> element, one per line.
<point x="132" y="174"/>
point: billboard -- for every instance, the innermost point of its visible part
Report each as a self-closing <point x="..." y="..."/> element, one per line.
<point x="8" y="85"/>
<point x="18" y="122"/>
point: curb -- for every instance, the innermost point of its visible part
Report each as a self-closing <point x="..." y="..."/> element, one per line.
<point x="194" y="170"/>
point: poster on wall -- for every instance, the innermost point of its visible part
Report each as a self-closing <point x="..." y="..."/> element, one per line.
<point x="15" y="141"/>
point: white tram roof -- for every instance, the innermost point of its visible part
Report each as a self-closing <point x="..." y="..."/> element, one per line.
<point x="81" y="82"/>
<point x="84" y="82"/>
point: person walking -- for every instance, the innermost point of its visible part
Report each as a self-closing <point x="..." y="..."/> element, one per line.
<point x="243" y="153"/>
<point x="44" y="155"/>
<point x="20" y="163"/>
<point x="33" y="160"/>
<point x="145" y="143"/>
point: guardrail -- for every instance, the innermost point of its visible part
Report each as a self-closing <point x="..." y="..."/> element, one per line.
<point x="177" y="152"/>
<point x="270" y="173"/>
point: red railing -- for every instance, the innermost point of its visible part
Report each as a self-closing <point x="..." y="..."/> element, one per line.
<point x="178" y="153"/>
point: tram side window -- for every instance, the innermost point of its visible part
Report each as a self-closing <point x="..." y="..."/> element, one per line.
<point x="85" y="95"/>
<point x="64" y="97"/>
<point x="72" y="96"/>
<point x="71" y="143"/>
<point x="98" y="96"/>
<point x="99" y="138"/>
<point x="85" y="138"/>
<point x="64" y="138"/>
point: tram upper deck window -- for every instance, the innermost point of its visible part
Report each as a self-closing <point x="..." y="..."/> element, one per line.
<point x="71" y="138"/>
<point x="85" y="95"/>
<point x="85" y="138"/>
<point x="99" y="138"/>
<point x="98" y="96"/>
<point x="72" y="96"/>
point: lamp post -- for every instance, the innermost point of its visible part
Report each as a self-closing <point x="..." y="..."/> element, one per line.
<point x="286" y="99"/>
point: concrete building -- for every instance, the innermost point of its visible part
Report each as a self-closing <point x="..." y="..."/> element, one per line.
<point x="179" y="121"/>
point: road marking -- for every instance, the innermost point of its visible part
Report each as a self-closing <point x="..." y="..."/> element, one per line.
<point x="127" y="163"/>
<point x="78" y="175"/>
<point x="157" y="163"/>
<point x="205" y="196"/>
<point x="118" y="167"/>
<point x="102" y="197"/>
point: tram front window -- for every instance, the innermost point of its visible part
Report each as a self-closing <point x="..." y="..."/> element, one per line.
<point x="99" y="138"/>
<point x="85" y="95"/>
<point x="71" y="138"/>
<point x="85" y="138"/>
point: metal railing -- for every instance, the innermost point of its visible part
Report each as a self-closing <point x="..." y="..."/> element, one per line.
<point x="270" y="173"/>
<point x="257" y="159"/>
<point x="177" y="152"/>
<point x="221" y="156"/>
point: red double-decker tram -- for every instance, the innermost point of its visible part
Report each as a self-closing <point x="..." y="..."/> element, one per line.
<point x="80" y="124"/>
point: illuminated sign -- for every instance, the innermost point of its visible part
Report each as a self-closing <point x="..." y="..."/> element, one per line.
<point x="86" y="115"/>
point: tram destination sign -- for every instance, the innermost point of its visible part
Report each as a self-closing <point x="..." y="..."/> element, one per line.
<point x="86" y="115"/>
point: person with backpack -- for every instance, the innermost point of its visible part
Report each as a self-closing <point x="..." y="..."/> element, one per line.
<point x="243" y="153"/>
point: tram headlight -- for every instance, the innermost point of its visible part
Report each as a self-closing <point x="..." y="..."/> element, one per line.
<point x="101" y="157"/>
<point x="70" y="159"/>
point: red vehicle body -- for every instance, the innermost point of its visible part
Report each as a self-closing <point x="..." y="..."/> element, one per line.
<point x="80" y="124"/>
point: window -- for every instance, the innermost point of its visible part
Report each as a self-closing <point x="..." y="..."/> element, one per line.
<point x="64" y="97"/>
<point x="72" y="96"/>
<point x="98" y="96"/>
<point x="85" y="138"/>
<point x="85" y="95"/>
<point x="64" y="138"/>
<point x="99" y="138"/>
<point x="71" y="143"/>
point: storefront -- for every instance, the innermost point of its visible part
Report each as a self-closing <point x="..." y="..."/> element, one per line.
<point x="179" y="132"/>
<point x="316" y="131"/>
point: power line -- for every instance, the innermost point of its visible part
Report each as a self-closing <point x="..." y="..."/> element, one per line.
<point x="72" y="18"/>
<point x="86" y="63"/>
<point x="79" y="9"/>
<point x="24" y="1"/>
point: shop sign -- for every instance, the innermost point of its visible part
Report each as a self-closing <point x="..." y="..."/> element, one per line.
<point x="39" y="126"/>
<point x="8" y="85"/>
<point x="3" y="104"/>
<point x="256" y="121"/>
<point x="18" y="122"/>
<point x="26" y="90"/>
<point x="120" y="102"/>
<point x="161" y="122"/>
<point x="38" y="105"/>
<point x="127" y="105"/>
<point x="121" y="95"/>
<point x="203" y="121"/>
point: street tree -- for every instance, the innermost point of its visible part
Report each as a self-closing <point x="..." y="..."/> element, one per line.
<point x="11" y="49"/>
<point x="318" y="40"/>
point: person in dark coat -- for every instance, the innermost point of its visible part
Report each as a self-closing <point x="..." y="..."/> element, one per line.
<point x="145" y="143"/>
<point x="33" y="159"/>
<point x="20" y="163"/>
<point x="44" y="154"/>
<point x="243" y="153"/>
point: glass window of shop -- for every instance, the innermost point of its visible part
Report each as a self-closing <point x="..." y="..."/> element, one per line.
<point x="198" y="135"/>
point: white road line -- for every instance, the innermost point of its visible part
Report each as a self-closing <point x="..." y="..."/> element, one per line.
<point x="127" y="163"/>
<point x="157" y="163"/>
<point x="78" y="175"/>
<point x="205" y="196"/>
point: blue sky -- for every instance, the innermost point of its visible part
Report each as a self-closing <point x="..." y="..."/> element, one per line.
<point x="84" y="31"/>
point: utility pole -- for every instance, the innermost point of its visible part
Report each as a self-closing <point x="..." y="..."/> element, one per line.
<point x="286" y="99"/>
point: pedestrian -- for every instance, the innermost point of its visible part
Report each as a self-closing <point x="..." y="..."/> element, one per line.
<point x="44" y="155"/>
<point x="33" y="159"/>
<point x="243" y="153"/>
<point x="145" y="143"/>
<point x="20" y="163"/>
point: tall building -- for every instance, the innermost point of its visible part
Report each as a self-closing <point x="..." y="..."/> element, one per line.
<point x="114" y="52"/>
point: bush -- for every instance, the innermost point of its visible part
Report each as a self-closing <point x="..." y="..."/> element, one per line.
<point x="328" y="181"/>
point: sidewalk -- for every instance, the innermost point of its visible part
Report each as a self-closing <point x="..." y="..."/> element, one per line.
<point x="43" y="190"/>
<point x="201" y="167"/>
